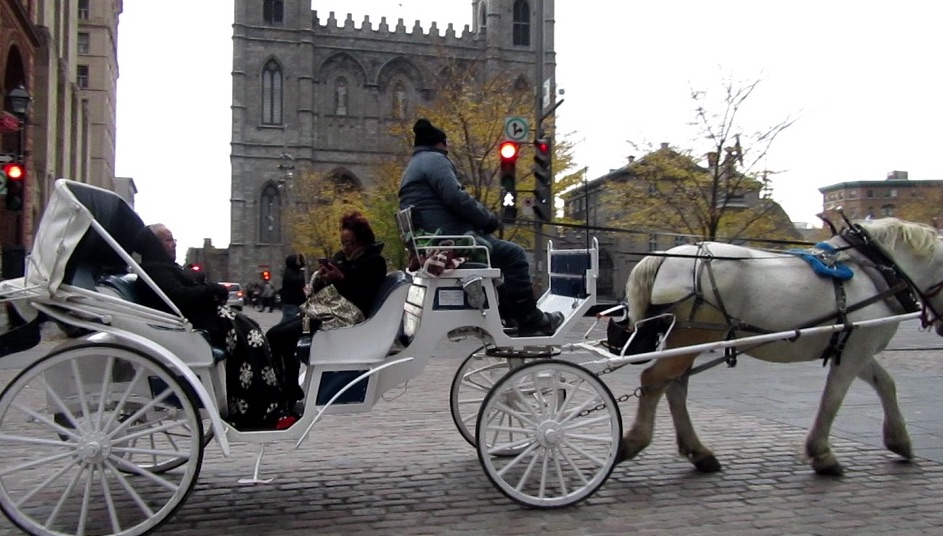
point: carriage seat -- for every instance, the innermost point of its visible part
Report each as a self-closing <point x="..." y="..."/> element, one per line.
<point x="121" y="284"/>
<point x="124" y="286"/>
<point x="393" y="281"/>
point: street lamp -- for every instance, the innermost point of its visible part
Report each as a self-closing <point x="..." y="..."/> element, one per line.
<point x="19" y="102"/>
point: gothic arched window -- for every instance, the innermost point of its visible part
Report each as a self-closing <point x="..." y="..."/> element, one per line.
<point x="272" y="94"/>
<point x="272" y="11"/>
<point x="270" y="216"/>
<point x="483" y="16"/>
<point x="521" y="23"/>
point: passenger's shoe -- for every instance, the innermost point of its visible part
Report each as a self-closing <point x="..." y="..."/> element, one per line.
<point x="540" y="324"/>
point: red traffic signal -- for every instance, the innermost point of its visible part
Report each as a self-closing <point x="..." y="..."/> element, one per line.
<point x="508" y="150"/>
<point x="14" y="171"/>
<point x="266" y="275"/>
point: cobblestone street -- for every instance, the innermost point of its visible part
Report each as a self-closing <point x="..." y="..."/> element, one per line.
<point x="404" y="469"/>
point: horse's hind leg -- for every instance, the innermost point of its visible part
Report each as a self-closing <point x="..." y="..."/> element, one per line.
<point x="689" y="445"/>
<point x="896" y="438"/>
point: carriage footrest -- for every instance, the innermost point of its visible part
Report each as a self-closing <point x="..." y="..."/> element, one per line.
<point x="525" y="352"/>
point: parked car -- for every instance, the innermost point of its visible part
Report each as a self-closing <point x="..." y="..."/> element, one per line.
<point x="237" y="296"/>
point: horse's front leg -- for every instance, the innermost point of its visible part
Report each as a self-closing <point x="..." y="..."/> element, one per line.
<point x="896" y="438"/>
<point x="839" y="379"/>
<point x="654" y="380"/>
<point x="689" y="445"/>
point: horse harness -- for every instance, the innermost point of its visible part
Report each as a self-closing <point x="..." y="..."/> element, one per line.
<point x="898" y="290"/>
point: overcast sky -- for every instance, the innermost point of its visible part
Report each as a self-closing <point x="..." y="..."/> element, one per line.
<point x="863" y="79"/>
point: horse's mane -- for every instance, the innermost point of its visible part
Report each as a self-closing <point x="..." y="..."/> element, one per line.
<point x="921" y="238"/>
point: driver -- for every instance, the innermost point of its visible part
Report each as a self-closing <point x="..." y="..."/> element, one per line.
<point x="430" y="185"/>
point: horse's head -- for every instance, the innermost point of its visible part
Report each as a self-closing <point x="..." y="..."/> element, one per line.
<point x="917" y="250"/>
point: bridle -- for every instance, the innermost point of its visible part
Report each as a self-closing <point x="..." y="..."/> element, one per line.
<point x="857" y="238"/>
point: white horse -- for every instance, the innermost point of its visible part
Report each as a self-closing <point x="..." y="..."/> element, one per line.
<point x="720" y="290"/>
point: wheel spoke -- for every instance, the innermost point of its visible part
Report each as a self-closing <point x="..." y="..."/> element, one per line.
<point x="135" y="496"/>
<point x="42" y="485"/>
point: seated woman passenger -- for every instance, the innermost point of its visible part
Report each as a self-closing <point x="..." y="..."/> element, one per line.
<point x="254" y="391"/>
<point x="356" y="271"/>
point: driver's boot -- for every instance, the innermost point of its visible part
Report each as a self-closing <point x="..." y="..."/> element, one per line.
<point x="531" y="321"/>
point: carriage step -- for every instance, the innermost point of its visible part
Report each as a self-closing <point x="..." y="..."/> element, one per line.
<point x="525" y="352"/>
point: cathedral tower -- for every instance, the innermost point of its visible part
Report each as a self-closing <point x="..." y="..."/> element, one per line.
<point x="315" y="92"/>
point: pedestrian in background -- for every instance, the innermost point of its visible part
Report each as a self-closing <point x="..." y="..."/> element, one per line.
<point x="268" y="297"/>
<point x="293" y="286"/>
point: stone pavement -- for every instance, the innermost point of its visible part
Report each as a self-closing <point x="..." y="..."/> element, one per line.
<point x="404" y="469"/>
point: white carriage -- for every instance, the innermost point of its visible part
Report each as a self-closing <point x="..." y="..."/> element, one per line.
<point x="105" y="433"/>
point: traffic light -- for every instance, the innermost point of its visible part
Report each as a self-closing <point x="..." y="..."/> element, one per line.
<point x="15" y="177"/>
<point x="508" y="151"/>
<point x="543" y="190"/>
<point x="266" y="275"/>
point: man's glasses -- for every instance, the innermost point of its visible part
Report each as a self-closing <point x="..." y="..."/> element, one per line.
<point x="347" y="243"/>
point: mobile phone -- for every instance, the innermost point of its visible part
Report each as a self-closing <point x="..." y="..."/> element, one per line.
<point x="324" y="261"/>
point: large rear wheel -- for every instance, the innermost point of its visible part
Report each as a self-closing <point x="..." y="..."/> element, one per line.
<point x="89" y="437"/>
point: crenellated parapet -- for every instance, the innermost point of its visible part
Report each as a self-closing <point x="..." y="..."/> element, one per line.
<point x="434" y="36"/>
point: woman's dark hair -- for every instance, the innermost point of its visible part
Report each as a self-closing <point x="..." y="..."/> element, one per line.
<point x="358" y="224"/>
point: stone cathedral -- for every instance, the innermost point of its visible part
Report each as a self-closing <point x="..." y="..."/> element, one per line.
<point x="314" y="92"/>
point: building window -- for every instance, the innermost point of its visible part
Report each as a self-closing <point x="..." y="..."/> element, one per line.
<point x="270" y="216"/>
<point x="521" y="23"/>
<point x="81" y="77"/>
<point x="483" y="17"/>
<point x="272" y="94"/>
<point x="272" y="11"/>
<point x="83" y="9"/>
<point x="887" y="210"/>
<point x="652" y="242"/>
<point x="870" y="194"/>
<point x="893" y="193"/>
<point x="83" y="43"/>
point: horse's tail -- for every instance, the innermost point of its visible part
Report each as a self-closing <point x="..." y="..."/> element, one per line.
<point x="638" y="288"/>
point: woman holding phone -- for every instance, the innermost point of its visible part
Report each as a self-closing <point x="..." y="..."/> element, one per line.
<point x="356" y="271"/>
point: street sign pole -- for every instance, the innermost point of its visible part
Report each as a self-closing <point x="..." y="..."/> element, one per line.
<point x="539" y="131"/>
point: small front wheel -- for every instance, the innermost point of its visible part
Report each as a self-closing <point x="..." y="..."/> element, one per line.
<point x="563" y="426"/>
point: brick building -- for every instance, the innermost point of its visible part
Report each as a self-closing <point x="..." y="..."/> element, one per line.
<point x="896" y="196"/>
<point x="63" y="54"/>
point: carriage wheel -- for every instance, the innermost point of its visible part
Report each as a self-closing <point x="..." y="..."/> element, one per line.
<point x="84" y="444"/>
<point x="473" y="380"/>
<point x="563" y="453"/>
<point x="161" y="439"/>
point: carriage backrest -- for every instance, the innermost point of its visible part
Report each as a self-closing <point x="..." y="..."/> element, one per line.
<point x="392" y="281"/>
<point x="69" y="249"/>
<point x="93" y="258"/>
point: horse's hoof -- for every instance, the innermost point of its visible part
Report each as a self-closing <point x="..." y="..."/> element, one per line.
<point x="707" y="464"/>
<point x="831" y="469"/>
<point x="902" y="450"/>
<point x="622" y="454"/>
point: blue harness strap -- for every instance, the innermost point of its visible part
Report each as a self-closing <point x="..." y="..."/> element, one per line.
<point x="817" y="259"/>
